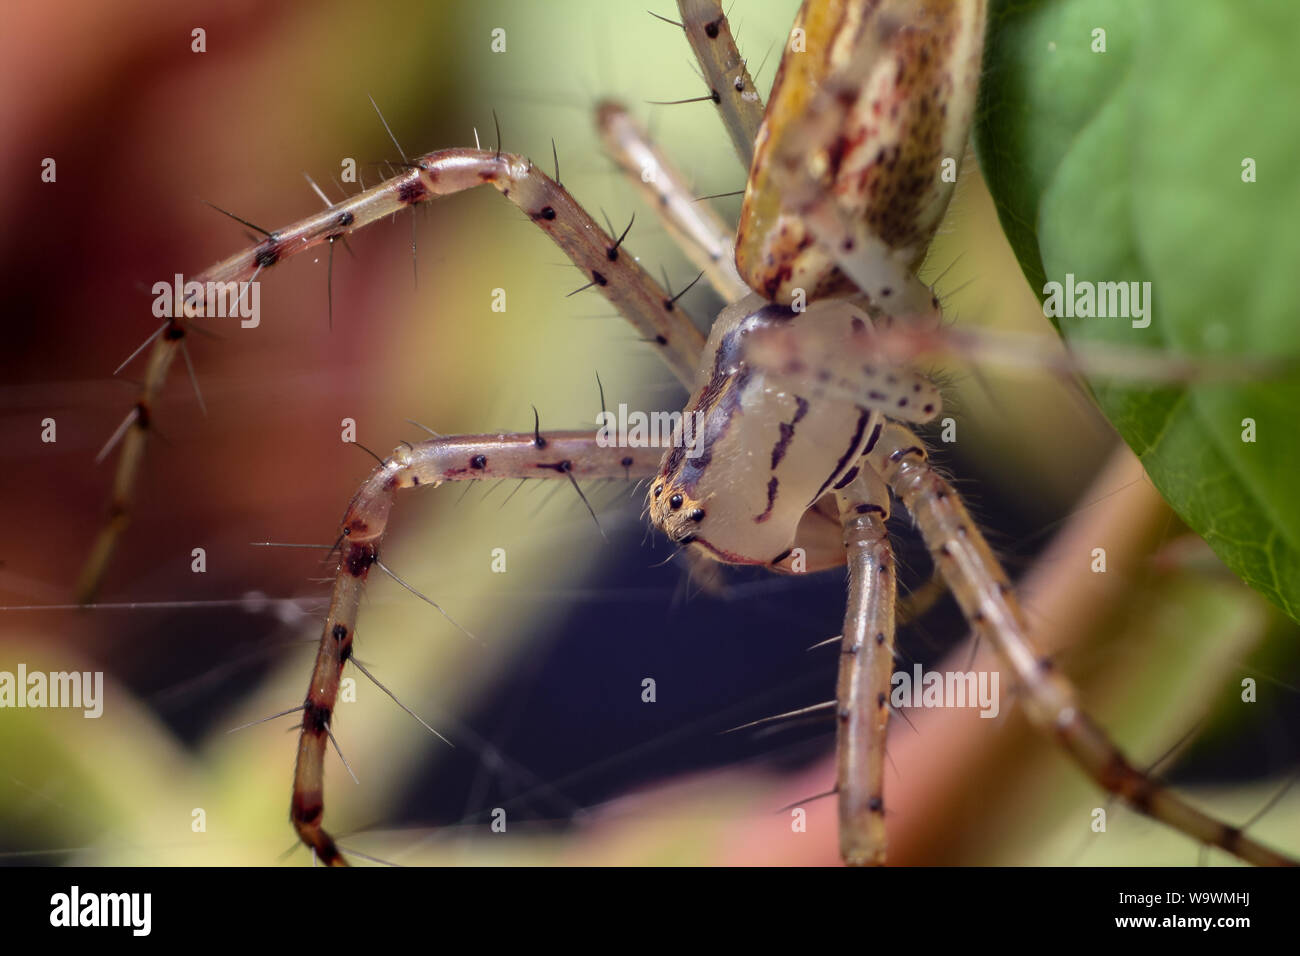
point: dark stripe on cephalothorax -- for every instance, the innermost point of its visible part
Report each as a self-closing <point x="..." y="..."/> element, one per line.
<point x="709" y="396"/>
<point x="787" y="432"/>
<point x="771" y="500"/>
<point x="720" y="398"/>
<point x="718" y="403"/>
<point x="863" y="417"/>
<point x="875" y="437"/>
<point x="847" y="479"/>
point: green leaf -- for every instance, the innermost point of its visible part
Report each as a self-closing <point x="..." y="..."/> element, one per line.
<point x="1127" y="165"/>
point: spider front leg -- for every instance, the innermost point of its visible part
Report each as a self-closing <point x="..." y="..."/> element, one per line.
<point x="572" y="456"/>
<point x="866" y="667"/>
<point x="693" y="223"/>
<point x="986" y="599"/>
<point x="730" y="86"/>
<point x="610" y="269"/>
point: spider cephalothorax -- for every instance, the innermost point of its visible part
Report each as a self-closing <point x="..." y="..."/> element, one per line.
<point x="773" y="440"/>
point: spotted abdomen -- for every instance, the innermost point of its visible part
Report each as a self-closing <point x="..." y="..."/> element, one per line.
<point x="871" y="107"/>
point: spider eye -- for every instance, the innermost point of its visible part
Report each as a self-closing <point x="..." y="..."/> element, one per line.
<point x="697" y="514"/>
<point x="659" y="491"/>
<point x="675" y="502"/>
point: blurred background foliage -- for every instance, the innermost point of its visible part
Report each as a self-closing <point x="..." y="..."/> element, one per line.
<point x="547" y="717"/>
<point x="1112" y="161"/>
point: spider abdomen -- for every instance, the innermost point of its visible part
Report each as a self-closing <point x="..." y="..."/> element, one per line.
<point x="869" y="112"/>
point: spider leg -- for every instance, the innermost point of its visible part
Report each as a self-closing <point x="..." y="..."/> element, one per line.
<point x="568" y="455"/>
<point x="693" y="223"/>
<point x="730" y="84"/>
<point x="984" y="594"/>
<point x="825" y="362"/>
<point x="615" y="273"/>
<point x="866" y="667"/>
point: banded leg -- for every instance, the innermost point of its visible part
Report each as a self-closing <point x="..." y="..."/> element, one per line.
<point x="694" y="224"/>
<point x="826" y="363"/>
<point x="617" y="276"/>
<point x="570" y="455"/>
<point x="730" y="84"/>
<point x="986" y="599"/>
<point x="866" y="666"/>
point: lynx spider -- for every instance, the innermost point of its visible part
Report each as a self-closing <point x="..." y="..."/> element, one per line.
<point x="797" y="242"/>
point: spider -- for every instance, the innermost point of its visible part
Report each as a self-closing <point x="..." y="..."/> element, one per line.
<point x="803" y="437"/>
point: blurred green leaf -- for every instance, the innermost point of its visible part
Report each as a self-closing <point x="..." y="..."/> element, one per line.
<point x="1127" y="165"/>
